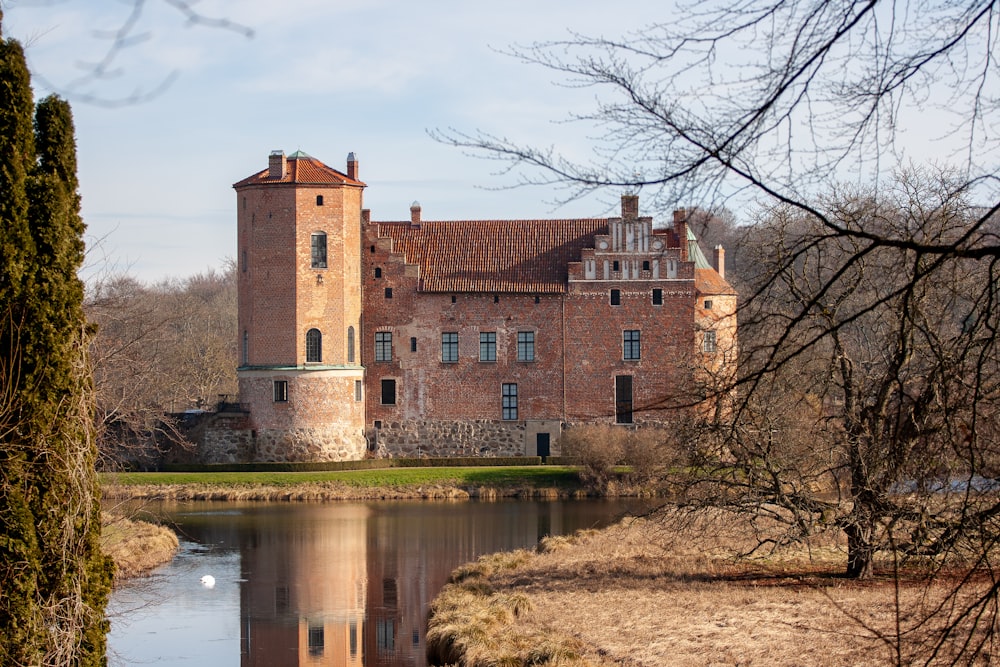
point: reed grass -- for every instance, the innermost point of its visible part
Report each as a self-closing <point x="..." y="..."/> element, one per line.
<point x="136" y="547"/>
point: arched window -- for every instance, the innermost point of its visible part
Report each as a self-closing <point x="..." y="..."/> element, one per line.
<point x="318" y="245"/>
<point x="314" y="345"/>
<point x="350" y="345"/>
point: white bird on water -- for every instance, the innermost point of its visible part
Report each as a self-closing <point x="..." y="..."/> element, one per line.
<point x="208" y="581"/>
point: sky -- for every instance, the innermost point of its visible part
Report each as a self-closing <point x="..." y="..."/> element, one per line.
<point x="323" y="76"/>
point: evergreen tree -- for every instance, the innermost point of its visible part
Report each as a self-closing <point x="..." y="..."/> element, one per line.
<point x="55" y="579"/>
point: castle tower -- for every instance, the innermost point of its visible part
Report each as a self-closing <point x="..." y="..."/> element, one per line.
<point x="300" y="372"/>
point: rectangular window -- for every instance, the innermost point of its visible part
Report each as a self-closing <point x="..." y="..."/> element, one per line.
<point x="631" y="345"/>
<point x="488" y="346"/>
<point x="525" y="345"/>
<point x="413" y="344"/>
<point x="509" y="400"/>
<point x="316" y="640"/>
<point x="449" y="346"/>
<point x="708" y="342"/>
<point x="357" y="390"/>
<point x="388" y="292"/>
<point x="388" y="392"/>
<point x="657" y="297"/>
<point x="615" y="266"/>
<point x="623" y="399"/>
<point x="318" y="245"/>
<point x="645" y="265"/>
<point x="708" y="304"/>
<point x="383" y="346"/>
<point x="281" y="391"/>
<point x="616" y="297"/>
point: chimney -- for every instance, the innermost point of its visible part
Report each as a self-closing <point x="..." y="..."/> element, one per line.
<point x="415" y="213"/>
<point x="352" y="166"/>
<point x="630" y="207"/>
<point x="276" y="165"/>
<point x="720" y="261"/>
<point x="681" y="229"/>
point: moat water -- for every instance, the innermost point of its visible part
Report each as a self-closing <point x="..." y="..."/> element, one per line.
<point x="344" y="584"/>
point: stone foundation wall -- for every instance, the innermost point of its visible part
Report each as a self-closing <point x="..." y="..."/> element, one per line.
<point x="426" y="438"/>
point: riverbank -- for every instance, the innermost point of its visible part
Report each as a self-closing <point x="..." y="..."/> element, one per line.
<point x="672" y="591"/>
<point x="136" y="547"/>
<point x="433" y="483"/>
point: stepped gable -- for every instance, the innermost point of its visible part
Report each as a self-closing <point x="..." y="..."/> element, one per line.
<point x="302" y="169"/>
<point x="500" y="256"/>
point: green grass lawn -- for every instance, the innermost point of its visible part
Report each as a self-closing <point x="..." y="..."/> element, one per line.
<point x="563" y="477"/>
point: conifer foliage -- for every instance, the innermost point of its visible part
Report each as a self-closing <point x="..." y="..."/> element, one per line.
<point x="54" y="578"/>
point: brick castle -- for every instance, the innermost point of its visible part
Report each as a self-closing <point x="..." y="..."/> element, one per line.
<point x="456" y="338"/>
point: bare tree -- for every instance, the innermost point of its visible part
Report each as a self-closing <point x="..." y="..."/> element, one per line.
<point x="159" y="350"/>
<point x="879" y="299"/>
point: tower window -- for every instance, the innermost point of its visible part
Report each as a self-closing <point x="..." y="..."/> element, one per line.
<point x="615" y="266"/>
<point x="383" y="346"/>
<point x="657" y="296"/>
<point x="319" y="200"/>
<point x="631" y="345"/>
<point x="246" y="348"/>
<point x="314" y="346"/>
<point x="616" y="297"/>
<point x="318" y="246"/>
<point x="388" y="292"/>
<point x="281" y="391"/>
<point x="350" y="345"/>
<point x="357" y="390"/>
<point x="413" y="344"/>
<point x="378" y="271"/>
<point x="645" y="265"/>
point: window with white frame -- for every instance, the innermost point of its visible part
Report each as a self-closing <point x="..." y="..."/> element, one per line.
<point x="708" y="342"/>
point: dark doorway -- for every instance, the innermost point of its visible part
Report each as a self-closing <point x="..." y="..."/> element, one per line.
<point x="542" y="444"/>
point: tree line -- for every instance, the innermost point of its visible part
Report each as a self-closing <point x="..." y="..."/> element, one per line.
<point x="159" y="350"/>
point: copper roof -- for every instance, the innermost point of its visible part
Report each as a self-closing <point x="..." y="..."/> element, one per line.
<point x="301" y="169"/>
<point x="502" y="256"/>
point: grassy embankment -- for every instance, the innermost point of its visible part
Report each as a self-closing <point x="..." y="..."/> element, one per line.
<point x="136" y="547"/>
<point x="383" y="483"/>
<point x="674" y="591"/>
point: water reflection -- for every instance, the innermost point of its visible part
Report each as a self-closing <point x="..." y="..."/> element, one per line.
<point x="340" y="584"/>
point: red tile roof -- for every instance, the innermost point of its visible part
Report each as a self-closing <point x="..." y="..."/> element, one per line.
<point x="303" y="170"/>
<point x="502" y="256"/>
<point x="708" y="281"/>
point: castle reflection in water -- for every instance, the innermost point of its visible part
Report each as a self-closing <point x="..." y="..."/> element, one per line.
<point x="348" y="585"/>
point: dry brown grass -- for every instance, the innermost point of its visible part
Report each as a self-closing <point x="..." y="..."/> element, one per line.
<point x="655" y="592"/>
<point x="135" y="546"/>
